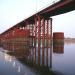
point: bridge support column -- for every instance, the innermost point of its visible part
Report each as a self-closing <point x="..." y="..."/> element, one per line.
<point x="43" y="39"/>
<point x="35" y="38"/>
<point x="43" y="36"/>
<point x="39" y="37"/>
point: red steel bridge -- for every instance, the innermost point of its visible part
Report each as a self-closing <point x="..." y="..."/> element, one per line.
<point x="38" y="26"/>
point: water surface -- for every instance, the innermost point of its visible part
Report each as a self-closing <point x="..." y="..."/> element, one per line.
<point x="60" y="58"/>
<point x="65" y="62"/>
<point x="9" y="65"/>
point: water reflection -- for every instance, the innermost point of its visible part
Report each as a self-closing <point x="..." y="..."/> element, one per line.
<point x="7" y="57"/>
<point x="58" y="57"/>
<point x="14" y="64"/>
<point x="19" y="69"/>
<point x="58" y="47"/>
<point x="41" y="55"/>
<point x="18" y="49"/>
<point x="64" y="63"/>
<point x="10" y="65"/>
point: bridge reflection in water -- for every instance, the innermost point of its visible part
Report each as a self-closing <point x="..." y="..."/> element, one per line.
<point x="24" y="51"/>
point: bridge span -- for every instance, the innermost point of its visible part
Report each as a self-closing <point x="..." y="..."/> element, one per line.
<point x="36" y="27"/>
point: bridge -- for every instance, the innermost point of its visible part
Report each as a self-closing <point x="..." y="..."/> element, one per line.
<point x="36" y="27"/>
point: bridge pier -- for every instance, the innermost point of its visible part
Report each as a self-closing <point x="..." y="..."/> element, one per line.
<point x="37" y="32"/>
<point x="43" y="35"/>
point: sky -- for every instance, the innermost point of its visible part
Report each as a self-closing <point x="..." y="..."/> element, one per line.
<point x="14" y="11"/>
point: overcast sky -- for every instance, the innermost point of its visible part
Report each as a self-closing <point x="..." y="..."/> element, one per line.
<point x="14" y="11"/>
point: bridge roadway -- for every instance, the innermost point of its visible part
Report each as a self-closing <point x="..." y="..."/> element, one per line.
<point x="63" y="6"/>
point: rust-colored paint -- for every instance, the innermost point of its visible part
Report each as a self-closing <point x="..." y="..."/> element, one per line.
<point x="58" y="35"/>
